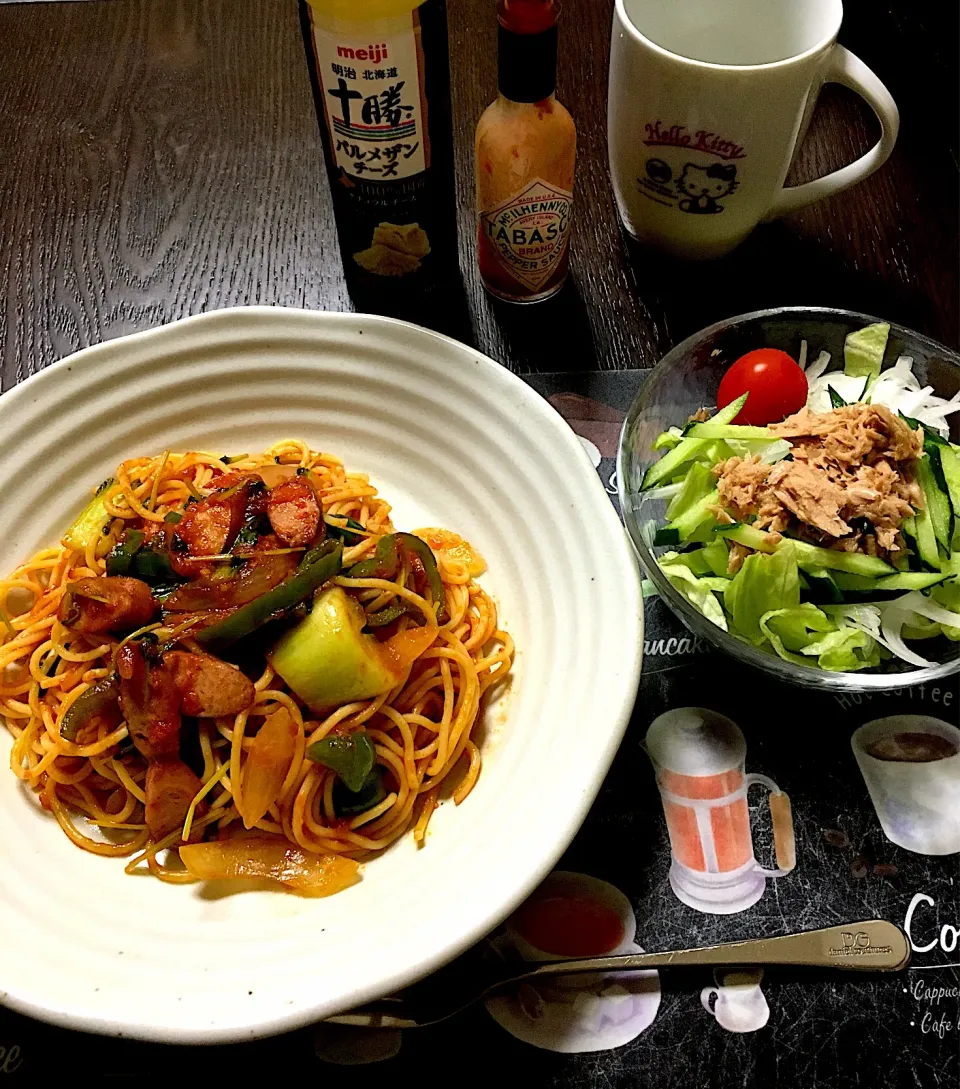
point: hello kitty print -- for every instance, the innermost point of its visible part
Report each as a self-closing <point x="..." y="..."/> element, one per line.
<point x="701" y="187"/>
<point x="673" y="177"/>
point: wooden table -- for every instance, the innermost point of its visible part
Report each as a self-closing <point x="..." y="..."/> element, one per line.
<point x="161" y="157"/>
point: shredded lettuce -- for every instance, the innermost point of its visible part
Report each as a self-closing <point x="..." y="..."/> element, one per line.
<point x="845" y="651"/>
<point x="863" y="351"/>
<point x="694" y="589"/>
<point x="791" y="631"/>
<point x="805" y="632"/>
<point x="947" y="594"/>
<point x="765" y="583"/>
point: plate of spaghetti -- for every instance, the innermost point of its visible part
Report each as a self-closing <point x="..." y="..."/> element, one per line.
<point x="318" y="634"/>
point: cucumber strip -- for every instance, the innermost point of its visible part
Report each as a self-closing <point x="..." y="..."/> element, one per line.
<point x="950" y="464"/>
<point x="667" y="440"/>
<point x="713" y="430"/>
<point x="809" y="556"/>
<point x="936" y="501"/>
<point x="903" y="580"/>
<point x="860" y="584"/>
<point x="695" y="515"/>
<point x="748" y="536"/>
<point x="911" y="580"/>
<point x="854" y="563"/>
<point x="723" y="416"/>
<point x="673" y="460"/>
<point x="688" y="448"/>
<point x="825" y="586"/>
<point x="717" y="556"/>
<point x="926" y="538"/>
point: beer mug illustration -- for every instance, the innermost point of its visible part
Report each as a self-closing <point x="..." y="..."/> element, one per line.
<point x="699" y="756"/>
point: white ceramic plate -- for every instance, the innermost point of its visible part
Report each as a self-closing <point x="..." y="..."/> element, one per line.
<point x="450" y="438"/>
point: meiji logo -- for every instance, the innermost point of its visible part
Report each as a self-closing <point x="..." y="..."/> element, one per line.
<point x="373" y="53"/>
<point x="857" y="944"/>
<point x="702" y="140"/>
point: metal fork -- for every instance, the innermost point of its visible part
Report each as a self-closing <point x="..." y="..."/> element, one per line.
<point x="874" y="946"/>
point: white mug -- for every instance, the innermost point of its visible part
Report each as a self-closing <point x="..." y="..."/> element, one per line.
<point x="708" y="101"/>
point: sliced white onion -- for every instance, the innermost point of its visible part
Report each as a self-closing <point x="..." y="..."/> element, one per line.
<point x="916" y="602"/>
<point x="802" y="361"/>
<point x="850" y="387"/>
<point x="892" y="621"/>
<point x="665" y="491"/>
<point x="883" y="622"/>
<point x="818" y="366"/>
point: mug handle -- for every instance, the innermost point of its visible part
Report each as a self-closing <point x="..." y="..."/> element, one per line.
<point x="705" y="995"/>
<point x="784" y="841"/>
<point x="849" y="70"/>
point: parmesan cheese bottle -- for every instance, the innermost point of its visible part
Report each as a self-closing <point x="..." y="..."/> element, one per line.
<point x="381" y="85"/>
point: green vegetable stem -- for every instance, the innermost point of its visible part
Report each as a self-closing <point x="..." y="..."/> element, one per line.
<point x="96" y="699"/>
<point x="385" y="564"/>
<point x="318" y="565"/>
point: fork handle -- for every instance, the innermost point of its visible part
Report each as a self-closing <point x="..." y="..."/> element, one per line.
<point x="873" y="946"/>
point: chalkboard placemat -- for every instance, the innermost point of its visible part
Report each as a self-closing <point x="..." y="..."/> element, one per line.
<point x="836" y="1031"/>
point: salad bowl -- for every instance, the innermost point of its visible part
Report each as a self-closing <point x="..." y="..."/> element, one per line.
<point x="688" y="380"/>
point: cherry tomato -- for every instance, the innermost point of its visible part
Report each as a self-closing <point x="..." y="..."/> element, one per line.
<point x="775" y="382"/>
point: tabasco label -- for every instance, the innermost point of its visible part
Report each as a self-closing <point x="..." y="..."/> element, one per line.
<point x="529" y="232"/>
<point x="373" y="99"/>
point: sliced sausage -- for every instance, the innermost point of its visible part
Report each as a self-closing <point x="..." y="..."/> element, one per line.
<point x="106" y="603"/>
<point x="294" y="512"/>
<point x="150" y="701"/>
<point x="170" y="788"/>
<point x="207" y="686"/>
<point x="208" y="528"/>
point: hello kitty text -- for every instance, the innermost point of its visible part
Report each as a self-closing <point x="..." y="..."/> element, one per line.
<point x="701" y="140"/>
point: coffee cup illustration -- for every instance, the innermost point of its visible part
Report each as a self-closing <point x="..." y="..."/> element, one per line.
<point x="575" y="915"/>
<point x="737" y="1001"/>
<point x="699" y="758"/>
<point x="911" y="766"/>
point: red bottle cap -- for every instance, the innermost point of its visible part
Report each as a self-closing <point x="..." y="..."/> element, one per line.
<point x="528" y="16"/>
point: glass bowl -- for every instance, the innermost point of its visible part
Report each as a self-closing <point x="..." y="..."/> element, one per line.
<point x="686" y="379"/>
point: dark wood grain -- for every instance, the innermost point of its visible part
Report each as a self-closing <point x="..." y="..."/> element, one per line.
<point x="160" y="158"/>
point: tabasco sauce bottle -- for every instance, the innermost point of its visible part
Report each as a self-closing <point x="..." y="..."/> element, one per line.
<point x="525" y="155"/>
<point x="381" y="84"/>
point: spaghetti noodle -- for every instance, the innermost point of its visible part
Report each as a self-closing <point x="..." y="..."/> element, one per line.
<point x="96" y="777"/>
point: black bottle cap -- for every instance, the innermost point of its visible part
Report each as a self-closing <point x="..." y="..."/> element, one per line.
<point x="527" y="64"/>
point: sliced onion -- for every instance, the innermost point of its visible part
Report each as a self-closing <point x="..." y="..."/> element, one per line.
<point x="271" y="857"/>
<point x="272" y="475"/>
<point x="917" y="603"/>
<point x="818" y="366"/>
<point x="883" y="623"/>
<point x="665" y="491"/>
<point x="892" y="621"/>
